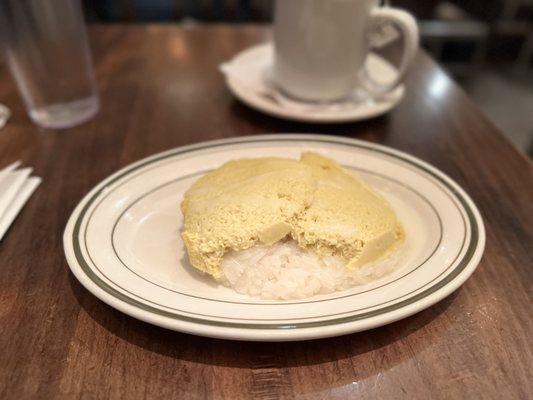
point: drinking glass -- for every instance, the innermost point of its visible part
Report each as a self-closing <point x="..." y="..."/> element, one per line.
<point x="45" y="47"/>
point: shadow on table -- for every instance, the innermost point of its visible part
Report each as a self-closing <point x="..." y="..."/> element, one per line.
<point x="370" y="129"/>
<point x="238" y="354"/>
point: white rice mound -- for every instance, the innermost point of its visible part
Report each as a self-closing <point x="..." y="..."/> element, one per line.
<point x="284" y="271"/>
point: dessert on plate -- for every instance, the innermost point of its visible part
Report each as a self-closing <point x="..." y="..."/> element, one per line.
<point x="281" y="228"/>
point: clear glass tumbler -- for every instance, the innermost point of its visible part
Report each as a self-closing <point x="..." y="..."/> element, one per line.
<point x="46" y="50"/>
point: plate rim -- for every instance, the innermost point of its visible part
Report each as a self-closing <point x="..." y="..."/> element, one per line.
<point x="296" y="331"/>
<point x="279" y="112"/>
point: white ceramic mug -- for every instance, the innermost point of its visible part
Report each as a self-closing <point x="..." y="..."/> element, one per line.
<point x="321" y="46"/>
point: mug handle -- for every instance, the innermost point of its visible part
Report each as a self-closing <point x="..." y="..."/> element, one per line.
<point x="408" y="28"/>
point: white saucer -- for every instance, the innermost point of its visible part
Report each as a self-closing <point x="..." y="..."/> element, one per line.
<point x="252" y="62"/>
<point x="122" y="243"/>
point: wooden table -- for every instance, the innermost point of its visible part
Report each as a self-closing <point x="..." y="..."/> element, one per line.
<point x="160" y="88"/>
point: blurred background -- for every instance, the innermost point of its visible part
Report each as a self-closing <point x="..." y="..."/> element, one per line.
<point x="487" y="45"/>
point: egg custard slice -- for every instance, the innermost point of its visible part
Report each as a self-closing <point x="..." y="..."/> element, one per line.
<point x="281" y="228"/>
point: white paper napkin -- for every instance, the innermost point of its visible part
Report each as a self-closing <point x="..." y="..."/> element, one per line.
<point x="16" y="187"/>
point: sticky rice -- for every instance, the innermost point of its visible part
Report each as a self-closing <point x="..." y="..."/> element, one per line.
<point x="284" y="271"/>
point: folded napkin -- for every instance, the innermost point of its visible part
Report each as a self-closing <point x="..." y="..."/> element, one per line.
<point x="16" y="187"/>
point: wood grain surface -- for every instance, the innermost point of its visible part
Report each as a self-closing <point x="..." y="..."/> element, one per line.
<point x="160" y="88"/>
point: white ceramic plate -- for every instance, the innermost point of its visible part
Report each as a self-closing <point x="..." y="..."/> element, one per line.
<point x="252" y="61"/>
<point x="122" y="244"/>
